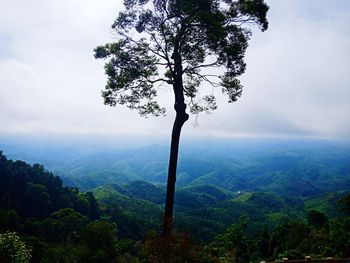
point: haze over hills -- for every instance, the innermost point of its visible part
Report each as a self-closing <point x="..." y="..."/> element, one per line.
<point x="289" y="167"/>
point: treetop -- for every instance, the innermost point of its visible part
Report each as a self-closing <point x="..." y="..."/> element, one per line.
<point x="170" y="41"/>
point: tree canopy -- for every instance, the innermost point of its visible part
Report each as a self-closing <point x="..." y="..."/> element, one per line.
<point x="182" y="43"/>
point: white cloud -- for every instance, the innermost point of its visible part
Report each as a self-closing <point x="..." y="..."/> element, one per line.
<point x="296" y="82"/>
<point x="297" y="77"/>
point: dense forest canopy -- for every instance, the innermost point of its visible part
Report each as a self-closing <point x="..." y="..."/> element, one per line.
<point x="120" y="223"/>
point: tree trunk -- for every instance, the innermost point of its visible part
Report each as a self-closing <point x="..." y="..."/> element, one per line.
<point x="180" y="119"/>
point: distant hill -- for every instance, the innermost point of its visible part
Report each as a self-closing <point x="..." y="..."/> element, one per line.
<point x="204" y="210"/>
<point x="295" y="168"/>
<point x="207" y="210"/>
<point x="326" y="203"/>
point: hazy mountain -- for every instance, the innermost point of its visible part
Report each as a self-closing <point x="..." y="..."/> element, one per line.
<point x="289" y="167"/>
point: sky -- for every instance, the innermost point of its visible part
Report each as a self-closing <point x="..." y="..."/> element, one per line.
<point x="296" y="83"/>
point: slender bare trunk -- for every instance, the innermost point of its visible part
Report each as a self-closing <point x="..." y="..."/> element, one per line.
<point x="180" y="119"/>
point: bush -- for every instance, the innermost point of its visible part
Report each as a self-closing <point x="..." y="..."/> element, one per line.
<point x="13" y="249"/>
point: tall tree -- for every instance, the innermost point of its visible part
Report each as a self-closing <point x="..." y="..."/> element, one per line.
<point x="182" y="43"/>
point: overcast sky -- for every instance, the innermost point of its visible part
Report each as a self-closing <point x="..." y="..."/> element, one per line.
<point x="297" y="81"/>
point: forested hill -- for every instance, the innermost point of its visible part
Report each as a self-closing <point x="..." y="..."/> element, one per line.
<point x="43" y="220"/>
<point x="32" y="191"/>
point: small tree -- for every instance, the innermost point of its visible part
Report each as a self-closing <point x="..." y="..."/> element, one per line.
<point x="316" y="218"/>
<point x="344" y="204"/>
<point x="13" y="249"/>
<point x="192" y="41"/>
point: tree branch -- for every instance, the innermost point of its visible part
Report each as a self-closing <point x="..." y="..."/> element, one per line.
<point x="205" y="78"/>
<point x="191" y="69"/>
<point x="168" y="81"/>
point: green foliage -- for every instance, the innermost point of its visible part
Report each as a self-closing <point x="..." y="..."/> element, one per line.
<point x="100" y="238"/>
<point x="344" y="204"/>
<point x="327" y="203"/>
<point x="288" y="236"/>
<point x="316" y="219"/>
<point x="261" y="247"/>
<point x="37" y="195"/>
<point x="180" y="247"/>
<point x="13" y="249"/>
<point x="64" y="223"/>
<point x="294" y="240"/>
<point x="231" y="246"/>
<point x="36" y="205"/>
<point x="186" y="198"/>
<point x="143" y="190"/>
<point x="209" y="217"/>
<point x="9" y="220"/>
<point x="33" y="192"/>
<point x="37" y="246"/>
<point x="184" y="38"/>
<point x="340" y="237"/>
<point x="129" y="73"/>
<point x="262" y="208"/>
<point x="132" y="216"/>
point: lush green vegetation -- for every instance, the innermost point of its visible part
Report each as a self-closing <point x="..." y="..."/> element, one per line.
<point x="54" y="223"/>
<point x="119" y="221"/>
